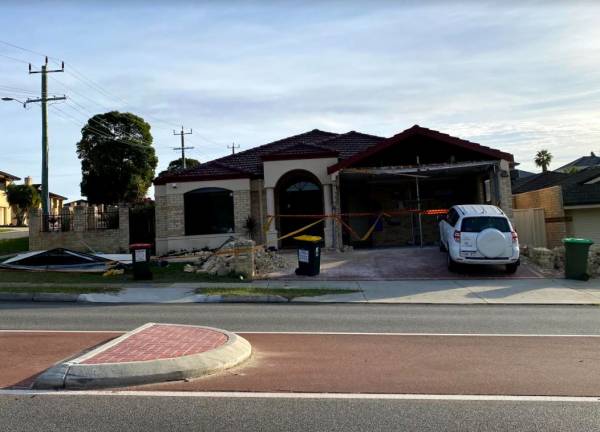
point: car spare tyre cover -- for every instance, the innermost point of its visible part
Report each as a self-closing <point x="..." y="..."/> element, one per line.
<point x="491" y="243"/>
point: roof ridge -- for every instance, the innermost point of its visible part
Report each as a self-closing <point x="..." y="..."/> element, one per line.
<point x="262" y="146"/>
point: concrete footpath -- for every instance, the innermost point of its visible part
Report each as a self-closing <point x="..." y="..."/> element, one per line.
<point x="456" y="291"/>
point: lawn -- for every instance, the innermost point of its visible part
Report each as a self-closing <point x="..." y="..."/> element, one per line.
<point x="172" y="273"/>
<point x="288" y="293"/>
<point x="11" y="246"/>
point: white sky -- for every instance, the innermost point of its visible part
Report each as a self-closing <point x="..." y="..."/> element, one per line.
<point x="517" y="76"/>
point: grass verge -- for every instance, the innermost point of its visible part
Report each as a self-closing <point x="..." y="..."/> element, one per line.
<point x="65" y="289"/>
<point x="11" y="246"/>
<point x="289" y="293"/>
<point x="170" y="274"/>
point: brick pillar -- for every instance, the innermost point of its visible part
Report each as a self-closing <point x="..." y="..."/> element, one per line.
<point x="35" y="225"/>
<point x="79" y="218"/>
<point x="505" y="189"/>
<point x="244" y="257"/>
<point x="123" y="227"/>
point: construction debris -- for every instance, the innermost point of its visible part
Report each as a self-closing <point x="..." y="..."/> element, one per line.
<point x="237" y="257"/>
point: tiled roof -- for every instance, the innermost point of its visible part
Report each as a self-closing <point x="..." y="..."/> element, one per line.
<point x="8" y="176"/>
<point x="38" y="187"/>
<point x="245" y="164"/>
<point x="576" y="192"/>
<point x="417" y="130"/>
<point x="346" y="147"/>
<point x="538" y="181"/>
<point x="583" y="162"/>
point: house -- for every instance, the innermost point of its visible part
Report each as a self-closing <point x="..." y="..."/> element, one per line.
<point x="582" y="163"/>
<point x="6" y="213"/>
<point x="571" y="203"/>
<point x="73" y="204"/>
<point x="350" y="188"/>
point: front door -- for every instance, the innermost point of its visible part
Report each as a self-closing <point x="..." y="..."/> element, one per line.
<point x="298" y="197"/>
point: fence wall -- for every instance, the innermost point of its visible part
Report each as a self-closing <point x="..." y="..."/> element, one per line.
<point x="530" y="226"/>
<point x="550" y="199"/>
<point x="85" y="229"/>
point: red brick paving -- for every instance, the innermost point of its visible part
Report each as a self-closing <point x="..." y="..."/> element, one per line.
<point x="160" y="341"/>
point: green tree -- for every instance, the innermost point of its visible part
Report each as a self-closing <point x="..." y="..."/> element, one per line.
<point x="176" y="164"/>
<point x="22" y="198"/>
<point x="543" y="159"/>
<point x="117" y="158"/>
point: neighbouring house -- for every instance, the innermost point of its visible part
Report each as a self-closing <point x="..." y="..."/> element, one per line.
<point x="6" y="213"/>
<point x="582" y="163"/>
<point x="73" y="204"/>
<point x="351" y="188"/>
<point x="570" y="203"/>
<point x="56" y="201"/>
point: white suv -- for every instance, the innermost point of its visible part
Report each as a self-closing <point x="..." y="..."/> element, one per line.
<point x="479" y="234"/>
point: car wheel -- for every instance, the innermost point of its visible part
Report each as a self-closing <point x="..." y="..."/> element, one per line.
<point x="511" y="268"/>
<point x="452" y="266"/>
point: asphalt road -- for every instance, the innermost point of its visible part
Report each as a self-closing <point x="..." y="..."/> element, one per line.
<point x="134" y="413"/>
<point x="310" y="318"/>
<point x="160" y="413"/>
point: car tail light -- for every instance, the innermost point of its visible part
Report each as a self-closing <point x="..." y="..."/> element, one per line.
<point x="515" y="236"/>
<point x="457" y="236"/>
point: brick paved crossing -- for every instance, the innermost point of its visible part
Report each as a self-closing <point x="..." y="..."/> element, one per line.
<point x="160" y="341"/>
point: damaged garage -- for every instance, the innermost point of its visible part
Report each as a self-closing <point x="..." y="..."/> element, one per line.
<point x="351" y="189"/>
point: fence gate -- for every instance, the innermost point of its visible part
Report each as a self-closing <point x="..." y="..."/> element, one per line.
<point x="142" y="225"/>
<point x="530" y="226"/>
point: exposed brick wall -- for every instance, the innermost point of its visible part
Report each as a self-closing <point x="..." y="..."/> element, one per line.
<point x="80" y="238"/>
<point x="550" y="199"/>
<point x="505" y="189"/>
<point x="241" y="210"/>
<point x="258" y="209"/>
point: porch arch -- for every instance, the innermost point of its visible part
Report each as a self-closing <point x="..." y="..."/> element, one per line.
<point x="298" y="192"/>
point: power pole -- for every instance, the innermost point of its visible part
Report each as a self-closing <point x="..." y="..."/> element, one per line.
<point x="44" y="105"/>
<point x="233" y="147"/>
<point x="183" y="148"/>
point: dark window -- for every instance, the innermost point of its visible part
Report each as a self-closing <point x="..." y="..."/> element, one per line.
<point x="478" y="224"/>
<point x="452" y="217"/>
<point x="208" y="211"/>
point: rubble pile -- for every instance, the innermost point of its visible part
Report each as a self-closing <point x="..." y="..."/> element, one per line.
<point x="237" y="257"/>
<point x="266" y="261"/>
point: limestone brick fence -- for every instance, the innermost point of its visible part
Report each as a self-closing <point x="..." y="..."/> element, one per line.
<point x="81" y="228"/>
<point x="554" y="259"/>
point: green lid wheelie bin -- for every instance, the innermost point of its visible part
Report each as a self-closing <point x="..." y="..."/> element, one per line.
<point x="576" y="258"/>
<point x="309" y="255"/>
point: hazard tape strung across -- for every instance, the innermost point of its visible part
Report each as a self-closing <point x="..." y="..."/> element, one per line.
<point x="339" y="218"/>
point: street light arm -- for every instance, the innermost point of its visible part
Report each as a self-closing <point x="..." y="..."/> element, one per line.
<point x="6" y="99"/>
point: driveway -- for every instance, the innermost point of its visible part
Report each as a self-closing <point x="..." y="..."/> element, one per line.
<point x="399" y="263"/>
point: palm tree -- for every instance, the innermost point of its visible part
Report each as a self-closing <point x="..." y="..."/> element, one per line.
<point x="543" y="159"/>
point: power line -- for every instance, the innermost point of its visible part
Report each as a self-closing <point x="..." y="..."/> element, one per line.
<point x="14" y="59"/>
<point x="80" y="76"/>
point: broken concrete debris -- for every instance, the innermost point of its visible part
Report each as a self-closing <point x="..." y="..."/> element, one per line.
<point x="239" y="257"/>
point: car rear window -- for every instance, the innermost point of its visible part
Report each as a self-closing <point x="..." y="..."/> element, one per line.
<point x="478" y="224"/>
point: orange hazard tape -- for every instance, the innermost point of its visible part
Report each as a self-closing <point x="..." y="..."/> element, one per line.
<point x="339" y="216"/>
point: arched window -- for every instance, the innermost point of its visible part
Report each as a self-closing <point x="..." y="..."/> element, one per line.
<point x="208" y="211"/>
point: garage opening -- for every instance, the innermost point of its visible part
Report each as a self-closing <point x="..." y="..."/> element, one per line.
<point x="402" y="201"/>
<point x="298" y="193"/>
